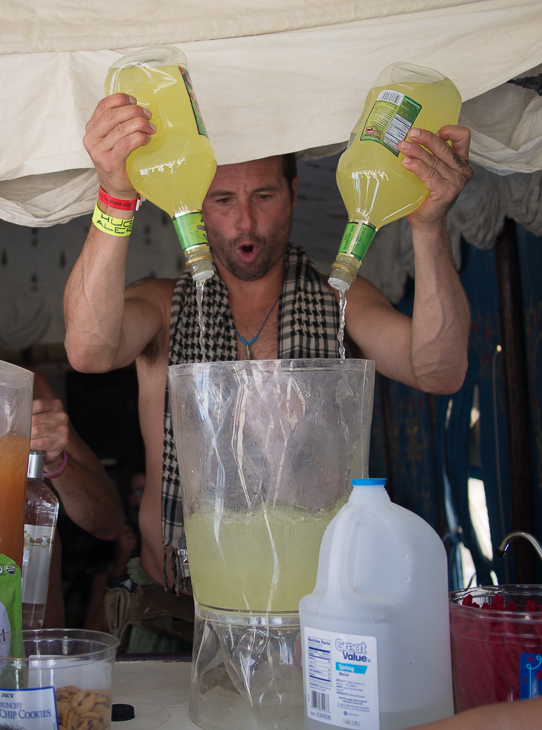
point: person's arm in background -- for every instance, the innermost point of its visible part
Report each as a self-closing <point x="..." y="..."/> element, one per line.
<point x="89" y="497"/>
<point x="520" y="715"/>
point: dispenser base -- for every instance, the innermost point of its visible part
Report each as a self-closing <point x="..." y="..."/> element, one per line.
<point x="246" y="671"/>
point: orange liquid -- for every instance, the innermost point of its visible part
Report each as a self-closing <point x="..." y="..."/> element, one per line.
<point x="14" y="452"/>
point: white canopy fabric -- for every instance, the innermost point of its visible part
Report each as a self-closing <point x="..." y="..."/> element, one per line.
<point x="274" y="77"/>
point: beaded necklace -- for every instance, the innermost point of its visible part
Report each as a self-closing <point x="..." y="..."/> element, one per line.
<point x="248" y="343"/>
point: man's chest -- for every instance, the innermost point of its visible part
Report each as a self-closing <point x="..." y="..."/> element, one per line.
<point x="257" y="335"/>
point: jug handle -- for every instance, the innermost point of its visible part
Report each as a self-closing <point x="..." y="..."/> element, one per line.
<point x="342" y="529"/>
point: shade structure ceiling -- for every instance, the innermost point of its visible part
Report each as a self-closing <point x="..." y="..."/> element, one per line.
<point x="274" y="77"/>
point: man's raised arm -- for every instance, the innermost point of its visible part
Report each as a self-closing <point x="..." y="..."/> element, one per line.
<point x="104" y="328"/>
<point x="429" y="351"/>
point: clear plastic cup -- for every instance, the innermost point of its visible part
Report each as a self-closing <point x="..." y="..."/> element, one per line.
<point x="52" y="678"/>
<point x="496" y="644"/>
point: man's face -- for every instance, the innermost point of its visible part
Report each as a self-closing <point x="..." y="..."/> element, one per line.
<point x="248" y="216"/>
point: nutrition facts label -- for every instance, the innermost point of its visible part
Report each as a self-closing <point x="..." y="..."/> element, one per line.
<point x="341" y="686"/>
<point x="390" y="119"/>
<point x="397" y="131"/>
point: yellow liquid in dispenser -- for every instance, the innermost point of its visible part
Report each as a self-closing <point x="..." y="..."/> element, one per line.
<point x="262" y="562"/>
<point x="174" y="171"/>
<point x="375" y="187"/>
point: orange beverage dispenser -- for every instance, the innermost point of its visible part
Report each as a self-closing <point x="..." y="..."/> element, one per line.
<point x="16" y="393"/>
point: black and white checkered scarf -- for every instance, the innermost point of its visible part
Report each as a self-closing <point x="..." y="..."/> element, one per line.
<point x="308" y="325"/>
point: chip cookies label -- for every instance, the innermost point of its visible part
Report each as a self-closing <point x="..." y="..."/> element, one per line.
<point x="33" y="709"/>
<point x="44" y="708"/>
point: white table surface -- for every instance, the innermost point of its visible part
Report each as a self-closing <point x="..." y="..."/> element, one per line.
<point x="158" y="690"/>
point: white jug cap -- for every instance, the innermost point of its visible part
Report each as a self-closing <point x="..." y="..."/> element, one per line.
<point x="368" y="482"/>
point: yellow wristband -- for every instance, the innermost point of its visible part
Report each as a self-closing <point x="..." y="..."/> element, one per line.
<point x="113" y="226"/>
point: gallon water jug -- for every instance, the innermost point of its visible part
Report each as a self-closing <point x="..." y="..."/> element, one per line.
<point x="376" y="640"/>
<point x="267" y="450"/>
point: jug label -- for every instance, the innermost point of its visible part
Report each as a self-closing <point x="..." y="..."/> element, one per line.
<point x="193" y="102"/>
<point x="357" y="238"/>
<point x="28" y="708"/>
<point x="190" y="229"/>
<point x="390" y="119"/>
<point x="38" y="549"/>
<point x="530" y="684"/>
<point x="341" y="679"/>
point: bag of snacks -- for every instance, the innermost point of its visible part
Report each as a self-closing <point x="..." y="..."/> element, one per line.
<point x="10" y="598"/>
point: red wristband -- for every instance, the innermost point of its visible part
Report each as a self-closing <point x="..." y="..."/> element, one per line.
<point x="118" y="203"/>
<point x="61" y="469"/>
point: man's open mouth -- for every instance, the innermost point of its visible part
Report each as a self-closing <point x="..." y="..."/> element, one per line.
<point x="247" y="252"/>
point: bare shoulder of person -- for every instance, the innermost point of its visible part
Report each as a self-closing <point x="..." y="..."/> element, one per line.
<point x="145" y="282"/>
<point x="138" y="284"/>
<point x="361" y="292"/>
<point x="157" y="294"/>
<point x="153" y="292"/>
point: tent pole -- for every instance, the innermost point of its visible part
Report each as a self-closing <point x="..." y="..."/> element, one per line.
<point x="517" y="399"/>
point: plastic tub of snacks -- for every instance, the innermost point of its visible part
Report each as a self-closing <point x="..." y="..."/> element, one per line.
<point x="56" y="678"/>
